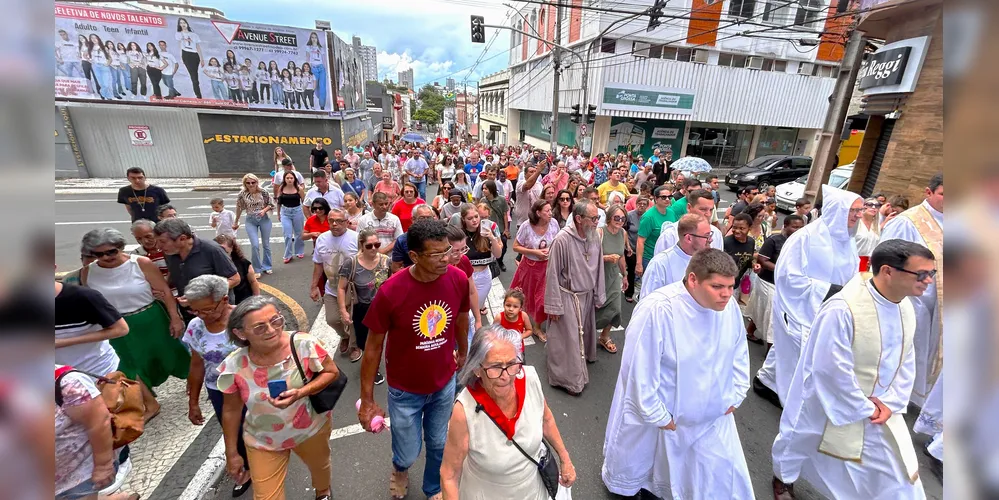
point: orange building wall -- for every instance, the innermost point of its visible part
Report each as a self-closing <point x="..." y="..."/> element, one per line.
<point x="700" y="31"/>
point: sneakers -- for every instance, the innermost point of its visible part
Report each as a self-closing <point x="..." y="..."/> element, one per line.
<point x="398" y="484"/>
<point x="120" y="476"/>
<point x="379" y="378"/>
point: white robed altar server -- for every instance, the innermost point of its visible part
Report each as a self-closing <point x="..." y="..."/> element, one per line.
<point x="699" y="201"/>
<point x="685" y="369"/>
<point x="816" y="259"/>
<point x="842" y="428"/>
<point x="923" y="224"/>
<point x="670" y="266"/>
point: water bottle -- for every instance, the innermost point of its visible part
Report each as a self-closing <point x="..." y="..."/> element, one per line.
<point x="377" y="422"/>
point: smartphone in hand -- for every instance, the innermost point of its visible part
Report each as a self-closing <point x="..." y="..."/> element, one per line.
<point x="276" y="387"/>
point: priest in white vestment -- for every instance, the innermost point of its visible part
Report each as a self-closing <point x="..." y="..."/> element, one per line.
<point x="671" y="266"/>
<point x="685" y="369"/>
<point x="701" y="202"/>
<point x="842" y="428"/>
<point x="815" y="262"/>
<point x="923" y="224"/>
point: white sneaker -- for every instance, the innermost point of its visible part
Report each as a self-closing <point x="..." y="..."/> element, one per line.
<point x="124" y="469"/>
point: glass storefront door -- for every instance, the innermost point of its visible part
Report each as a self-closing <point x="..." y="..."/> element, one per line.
<point x="776" y="141"/>
<point x="721" y="145"/>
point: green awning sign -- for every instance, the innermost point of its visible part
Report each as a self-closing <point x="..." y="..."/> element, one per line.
<point x="645" y="98"/>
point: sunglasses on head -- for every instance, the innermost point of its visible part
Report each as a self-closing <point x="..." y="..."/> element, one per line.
<point x="372" y="246"/>
<point x="109" y="253"/>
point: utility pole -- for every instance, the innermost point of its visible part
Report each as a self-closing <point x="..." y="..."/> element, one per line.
<point x="825" y="151"/>
<point x="464" y="122"/>
<point x="556" y="64"/>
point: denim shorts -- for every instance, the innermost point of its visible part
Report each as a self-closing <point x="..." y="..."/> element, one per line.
<point x="84" y="489"/>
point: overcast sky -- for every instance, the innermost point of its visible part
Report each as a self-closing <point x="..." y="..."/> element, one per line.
<point x="430" y="36"/>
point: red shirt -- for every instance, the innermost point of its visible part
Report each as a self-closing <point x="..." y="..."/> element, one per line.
<point x="419" y="322"/>
<point x="312" y="225"/>
<point x="466" y="266"/>
<point x="404" y="211"/>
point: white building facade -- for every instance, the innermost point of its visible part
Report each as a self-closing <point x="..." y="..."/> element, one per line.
<point x="705" y="88"/>
<point x="369" y="57"/>
<point x="493" y="91"/>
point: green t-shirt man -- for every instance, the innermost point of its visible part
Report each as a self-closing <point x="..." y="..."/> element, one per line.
<point x="649" y="228"/>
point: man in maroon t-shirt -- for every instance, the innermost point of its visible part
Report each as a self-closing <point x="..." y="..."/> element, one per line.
<point x="418" y="315"/>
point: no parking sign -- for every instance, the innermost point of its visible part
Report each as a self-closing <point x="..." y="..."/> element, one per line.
<point x="140" y="135"/>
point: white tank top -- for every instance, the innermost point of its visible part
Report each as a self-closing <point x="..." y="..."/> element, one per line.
<point x="125" y="286"/>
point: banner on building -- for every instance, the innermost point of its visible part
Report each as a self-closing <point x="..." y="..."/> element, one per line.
<point x="127" y="56"/>
<point x="348" y="76"/>
<point x="629" y="97"/>
<point x="644" y="138"/>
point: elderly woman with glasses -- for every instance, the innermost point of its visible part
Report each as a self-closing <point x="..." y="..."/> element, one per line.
<point x="281" y="421"/>
<point x="614" y="242"/>
<point x="207" y="337"/>
<point x="502" y="402"/>
<point x="152" y="353"/>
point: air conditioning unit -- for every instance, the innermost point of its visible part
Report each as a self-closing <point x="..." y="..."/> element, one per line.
<point x="700" y="56"/>
<point x="805" y="68"/>
<point x="754" y="62"/>
<point x="640" y="49"/>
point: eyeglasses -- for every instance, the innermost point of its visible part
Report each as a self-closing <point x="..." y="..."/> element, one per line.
<point x="463" y="251"/>
<point x="201" y="312"/>
<point x="372" y="246"/>
<point x="617" y="218"/>
<point x="109" y="253"/>
<point x="564" y="198"/>
<point x="594" y="219"/>
<point x="250" y="183"/>
<point x="873" y="204"/>
<point x="259" y="329"/>
<point x="441" y="255"/>
<point x="920" y="275"/>
<point x="856" y="211"/>
<point x="318" y="208"/>
<point x="663" y="197"/>
<point x="708" y="237"/>
<point x="338" y="221"/>
<point x="511" y="369"/>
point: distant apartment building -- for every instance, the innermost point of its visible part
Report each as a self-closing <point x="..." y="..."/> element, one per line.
<point x="369" y="55"/>
<point x="449" y="84"/>
<point x="406" y="79"/>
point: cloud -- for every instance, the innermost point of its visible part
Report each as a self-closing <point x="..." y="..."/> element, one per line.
<point x="430" y="36"/>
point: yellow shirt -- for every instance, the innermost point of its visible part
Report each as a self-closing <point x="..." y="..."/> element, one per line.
<point x="606" y="188"/>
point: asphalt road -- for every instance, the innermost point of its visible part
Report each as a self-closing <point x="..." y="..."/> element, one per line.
<point x="362" y="462"/>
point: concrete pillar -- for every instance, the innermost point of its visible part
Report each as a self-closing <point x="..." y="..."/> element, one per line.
<point x="757" y="130"/>
<point x="686" y="137"/>
<point x="600" y="134"/>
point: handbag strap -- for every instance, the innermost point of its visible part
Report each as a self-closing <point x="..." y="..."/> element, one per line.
<point x="298" y="362"/>
<point x="479" y="408"/>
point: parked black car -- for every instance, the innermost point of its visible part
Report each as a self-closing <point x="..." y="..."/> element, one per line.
<point x="769" y="170"/>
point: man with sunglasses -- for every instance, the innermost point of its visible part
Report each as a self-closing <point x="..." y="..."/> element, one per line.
<point x="670" y="266"/>
<point x="333" y="248"/>
<point x="423" y="310"/>
<point x="815" y="263"/>
<point x="700" y="202"/>
<point x="842" y="428"/>
<point x="650" y="227"/>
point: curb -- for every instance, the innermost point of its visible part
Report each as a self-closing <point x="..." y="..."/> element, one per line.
<point x="208" y="475"/>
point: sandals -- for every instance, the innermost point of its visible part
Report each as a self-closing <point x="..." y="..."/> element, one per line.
<point x="355" y="355"/>
<point x="483" y="311"/>
<point x="608" y="345"/>
<point x="542" y="337"/>
<point x="754" y="339"/>
<point x="344" y="347"/>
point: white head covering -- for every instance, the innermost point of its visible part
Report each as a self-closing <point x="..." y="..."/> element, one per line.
<point x="835" y="211"/>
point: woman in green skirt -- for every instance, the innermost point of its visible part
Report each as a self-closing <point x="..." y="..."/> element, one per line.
<point x="152" y="351"/>
<point x="614" y="242"/>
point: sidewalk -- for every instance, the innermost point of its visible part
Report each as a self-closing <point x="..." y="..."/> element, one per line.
<point x="171" y="185"/>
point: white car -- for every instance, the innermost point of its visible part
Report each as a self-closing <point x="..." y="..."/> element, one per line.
<point x="789" y="192"/>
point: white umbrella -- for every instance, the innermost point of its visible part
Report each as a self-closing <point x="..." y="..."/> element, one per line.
<point x="691" y="164"/>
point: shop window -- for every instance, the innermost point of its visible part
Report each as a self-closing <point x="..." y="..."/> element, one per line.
<point x="607" y="45"/>
<point x="741" y="8"/>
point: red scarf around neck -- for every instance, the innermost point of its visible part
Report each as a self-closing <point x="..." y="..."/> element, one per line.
<point x="507" y="425"/>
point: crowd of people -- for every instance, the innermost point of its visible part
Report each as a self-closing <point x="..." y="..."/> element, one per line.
<point x="407" y="280"/>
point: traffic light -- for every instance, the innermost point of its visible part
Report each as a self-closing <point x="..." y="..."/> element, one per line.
<point x="591" y="113"/>
<point x="655" y="15"/>
<point x="478" y="29"/>
<point x="574" y="116"/>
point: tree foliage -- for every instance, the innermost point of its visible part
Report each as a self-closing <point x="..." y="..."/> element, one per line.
<point x="427" y="115"/>
<point x="431" y="99"/>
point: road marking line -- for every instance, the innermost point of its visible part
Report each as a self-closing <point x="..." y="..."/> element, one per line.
<point x="114" y="200"/>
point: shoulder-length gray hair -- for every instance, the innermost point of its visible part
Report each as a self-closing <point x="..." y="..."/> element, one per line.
<point x="207" y="285"/>
<point x="96" y="238"/>
<point x="249" y="305"/>
<point x="484" y="340"/>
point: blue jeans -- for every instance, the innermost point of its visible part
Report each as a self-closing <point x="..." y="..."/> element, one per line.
<point x="292" y="224"/>
<point x="421" y="188"/>
<point x="72" y="69"/>
<point x="168" y="80"/>
<point x="119" y="80"/>
<point x="409" y="412"/>
<point x="103" y="75"/>
<point x="320" y="73"/>
<point x="219" y="90"/>
<point x="259" y="230"/>
<point x="278" y="94"/>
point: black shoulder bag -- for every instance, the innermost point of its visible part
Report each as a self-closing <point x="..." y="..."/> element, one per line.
<point x="548" y="465"/>
<point x="324" y="400"/>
